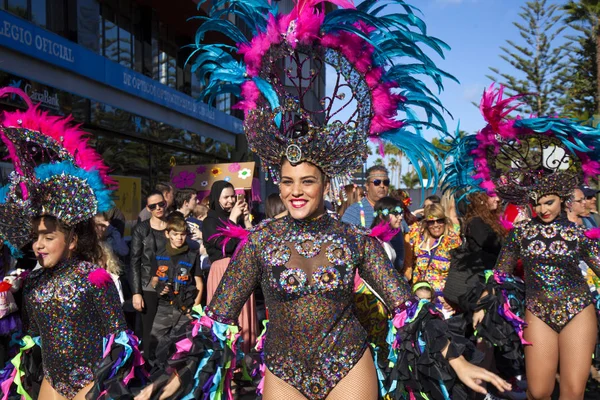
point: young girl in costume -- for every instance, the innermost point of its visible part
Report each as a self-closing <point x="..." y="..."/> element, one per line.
<point x="72" y="309"/>
<point x="388" y="211"/>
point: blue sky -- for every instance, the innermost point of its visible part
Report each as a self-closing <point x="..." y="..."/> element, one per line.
<point x="475" y="30"/>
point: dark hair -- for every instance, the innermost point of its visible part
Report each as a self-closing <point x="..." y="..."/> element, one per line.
<point x="88" y="245"/>
<point x="434" y="199"/>
<point x="183" y="195"/>
<point x="478" y="207"/>
<point x="155" y="193"/>
<point x="274" y="206"/>
<point x="381" y="204"/>
<point x="176" y="222"/>
<point x="374" y="168"/>
<point x="163" y="187"/>
<point x="404" y="198"/>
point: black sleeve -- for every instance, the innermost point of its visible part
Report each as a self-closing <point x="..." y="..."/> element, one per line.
<point x="214" y="246"/>
<point x="196" y="271"/>
<point x="481" y="236"/>
<point x="138" y="235"/>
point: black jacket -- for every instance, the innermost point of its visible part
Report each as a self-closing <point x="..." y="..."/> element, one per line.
<point x="143" y="250"/>
<point x="484" y="245"/>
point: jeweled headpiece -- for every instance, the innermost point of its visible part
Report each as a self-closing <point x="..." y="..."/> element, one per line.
<point x="285" y="57"/>
<point x="56" y="172"/>
<point x="522" y="159"/>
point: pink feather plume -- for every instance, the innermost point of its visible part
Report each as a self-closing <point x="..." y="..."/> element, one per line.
<point x="593" y="233"/>
<point x="384" y="231"/>
<point x="506" y="224"/>
<point x="100" y="278"/>
<point x="231" y="231"/>
<point x="62" y="130"/>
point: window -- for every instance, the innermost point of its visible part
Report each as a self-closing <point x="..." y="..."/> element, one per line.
<point x="19" y="8"/>
<point x="110" y="34"/>
<point x="38" y="12"/>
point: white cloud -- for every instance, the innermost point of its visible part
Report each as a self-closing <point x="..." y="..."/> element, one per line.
<point x="472" y="91"/>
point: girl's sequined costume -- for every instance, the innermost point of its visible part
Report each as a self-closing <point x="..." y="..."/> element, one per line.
<point x="306" y="271"/>
<point x="72" y="316"/>
<point x="555" y="289"/>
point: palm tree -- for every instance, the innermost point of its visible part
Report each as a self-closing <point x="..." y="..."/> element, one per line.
<point x="587" y="12"/>
<point x="410" y="179"/>
<point x="393" y="165"/>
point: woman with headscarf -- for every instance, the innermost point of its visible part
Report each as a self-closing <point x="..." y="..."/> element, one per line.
<point x="226" y="209"/>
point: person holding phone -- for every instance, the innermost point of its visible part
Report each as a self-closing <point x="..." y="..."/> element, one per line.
<point x="225" y="208"/>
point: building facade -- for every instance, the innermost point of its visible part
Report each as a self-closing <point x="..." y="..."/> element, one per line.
<point x="119" y="67"/>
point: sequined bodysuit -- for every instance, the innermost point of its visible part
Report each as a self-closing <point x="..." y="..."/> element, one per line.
<point x="72" y="317"/>
<point x="306" y="271"/>
<point x="555" y="289"/>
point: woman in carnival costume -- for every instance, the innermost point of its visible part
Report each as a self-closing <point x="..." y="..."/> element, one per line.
<point x="305" y="262"/>
<point x="72" y="309"/>
<point x="536" y="161"/>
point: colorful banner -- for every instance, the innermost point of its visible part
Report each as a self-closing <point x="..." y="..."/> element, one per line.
<point x="201" y="177"/>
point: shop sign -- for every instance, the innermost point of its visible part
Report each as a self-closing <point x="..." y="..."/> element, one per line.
<point x="49" y="47"/>
<point x="45" y="97"/>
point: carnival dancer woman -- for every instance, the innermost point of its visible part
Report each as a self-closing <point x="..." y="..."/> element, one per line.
<point x="305" y="262"/>
<point x="224" y="207"/>
<point x="540" y="161"/>
<point x="71" y="306"/>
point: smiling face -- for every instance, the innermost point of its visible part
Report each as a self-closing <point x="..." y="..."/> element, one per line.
<point x="227" y="199"/>
<point x="50" y="244"/>
<point x="395" y="220"/>
<point x="302" y="190"/>
<point x="548" y="207"/>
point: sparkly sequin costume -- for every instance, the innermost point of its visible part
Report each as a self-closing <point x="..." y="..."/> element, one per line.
<point x="555" y="289"/>
<point x="306" y="271"/>
<point x="72" y="317"/>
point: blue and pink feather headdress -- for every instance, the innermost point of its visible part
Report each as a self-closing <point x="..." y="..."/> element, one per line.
<point x="276" y="63"/>
<point x="56" y="172"/>
<point x="522" y="159"/>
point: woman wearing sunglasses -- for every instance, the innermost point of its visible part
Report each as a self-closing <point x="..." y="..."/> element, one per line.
<point x="427" y="250"/>
<point x="146" y="237"/>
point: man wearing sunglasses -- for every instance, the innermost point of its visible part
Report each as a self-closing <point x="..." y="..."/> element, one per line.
<point x="377" y="186"/>
<point x="361" y="213"/>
